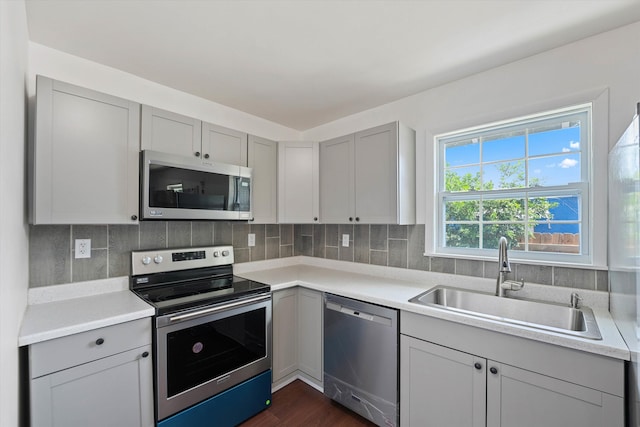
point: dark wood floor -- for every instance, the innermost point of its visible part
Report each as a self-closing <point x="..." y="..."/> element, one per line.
<point x="299" y="404"/>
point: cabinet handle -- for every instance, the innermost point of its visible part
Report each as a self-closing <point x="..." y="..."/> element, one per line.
<point x="134" y="217"/>
<point x="252" y="219"/>
<point x="477" y="365"/>
<point x="493" y="370"/>
<point x="206" y="156"/>
<point x="197" y="154"/>
<point x="145" y="354"/>
<point x="350" y="218"/>
<point x="315" y="218"/>
<point x="357" y="218"/>
<point x="100" y="341"/>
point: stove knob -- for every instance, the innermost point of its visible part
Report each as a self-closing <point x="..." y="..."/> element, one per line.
<point x="158" y="259"/>
<point x="225" y="253"/>
<point x="146" y="260"/>
<point x="216" y="254"/>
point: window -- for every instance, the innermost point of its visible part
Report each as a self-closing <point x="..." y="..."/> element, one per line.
<point x="526" y="179"/>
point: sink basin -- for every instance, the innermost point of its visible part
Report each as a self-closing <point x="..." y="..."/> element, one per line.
<point x="578" y="322"/>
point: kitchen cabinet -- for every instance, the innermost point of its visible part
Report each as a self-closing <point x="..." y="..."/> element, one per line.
<point x="369" y="177"/>
<point x="98" y="378"/>
<point x="310" y="307"/>
<point x="285" y="333"/>
<point x="298" y="182"/>
<point x="170" y="133"/>
<point x="174" y="133"/>
<point x="297" y="335"/>
<point x="263" y="159"/>
<point x="84" y="157"/>
<point x="451" y="372"/>
<point x="224" y="145"/>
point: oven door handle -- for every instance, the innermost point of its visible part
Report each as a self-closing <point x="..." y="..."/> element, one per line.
<point x="219" y="308"/>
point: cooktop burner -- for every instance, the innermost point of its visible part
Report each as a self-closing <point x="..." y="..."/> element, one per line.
<point x="180" y="279"/>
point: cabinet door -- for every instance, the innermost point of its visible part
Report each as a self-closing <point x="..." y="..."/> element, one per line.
<point x="440" y="386"/>
<point x="519" y="398"/>
<point x="113" y="391"/>
<point x="263" y="159"/>
<point x="285" y="335"/>
<point x="85" y="157"/>
<point x="298" y="182"/>
<point x="170" y="132"/>
<point x="310" y="307"/>
<point x="337" y="204"/>
<point x="376" y="175"/>
<point x="223" y="145"/>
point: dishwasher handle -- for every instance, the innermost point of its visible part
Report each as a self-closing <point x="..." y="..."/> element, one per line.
<point x="358" y="313"/>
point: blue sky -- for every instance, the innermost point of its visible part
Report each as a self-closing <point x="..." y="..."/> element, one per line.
<point x="559" y="164"/>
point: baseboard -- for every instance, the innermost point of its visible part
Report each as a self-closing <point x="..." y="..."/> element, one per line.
<point x="297" y="375"/>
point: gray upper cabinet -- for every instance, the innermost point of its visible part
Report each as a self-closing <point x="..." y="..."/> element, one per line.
<point x="369" y="177"/>
<point x="298" y="195"/>
<point x="220" y="144"/>
<point x="263" y="159"/>
<point x="84" y="157"/>
<point x="170" y="132"/>
<point x="174" y="133"/>
<point x="337" y="180"/>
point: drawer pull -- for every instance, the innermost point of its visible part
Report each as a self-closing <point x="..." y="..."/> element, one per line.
<point x="100" y="341"/>
<point x="145" y="354"/>
<point x="477" y="366"/>
<point x="493" y="370"/>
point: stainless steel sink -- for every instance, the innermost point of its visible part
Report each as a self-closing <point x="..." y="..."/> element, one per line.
<point x="548" y="316"/>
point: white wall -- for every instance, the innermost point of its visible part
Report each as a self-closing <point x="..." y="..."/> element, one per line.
<point x="607" y="65"/>
<point x="13" y="229"/>
<point x="79" y="71"/>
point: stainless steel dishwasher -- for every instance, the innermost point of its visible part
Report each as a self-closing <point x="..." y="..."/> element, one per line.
<point x="361" y="358"/>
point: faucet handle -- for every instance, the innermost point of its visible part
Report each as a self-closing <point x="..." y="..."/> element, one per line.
<point x="512" y="285"/>
<point x="575" y="300"/>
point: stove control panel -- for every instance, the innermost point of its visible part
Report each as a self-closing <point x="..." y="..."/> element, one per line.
<point x="163" y="260"/>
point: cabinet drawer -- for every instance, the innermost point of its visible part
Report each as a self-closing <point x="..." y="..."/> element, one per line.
<point x="61" y="353"/>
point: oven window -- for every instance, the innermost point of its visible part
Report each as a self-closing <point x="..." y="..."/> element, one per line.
<point x="171" y="187"/>
<point x="198" y="354"/>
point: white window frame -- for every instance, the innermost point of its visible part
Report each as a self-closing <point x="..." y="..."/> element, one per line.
<point x="584" y="188"/>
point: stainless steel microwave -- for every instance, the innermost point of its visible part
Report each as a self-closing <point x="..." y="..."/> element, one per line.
<point x="176" y="187"/>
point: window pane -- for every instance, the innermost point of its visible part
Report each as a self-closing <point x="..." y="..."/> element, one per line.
<point x="462" y="235"/>
<point x="554" y="170"/>
<point x="503" y="175"/>
<point x="466" y="210"/>
<point x="559" y="140"/>
<point x="503" y="210"/>
<point x="462" y="179"/>
<point x="461" y="154"/>
<point x="565" y="243"/>
<point x="548" y="209"/>
<point x="503" y="147"/>
<point x="513" y="232"/>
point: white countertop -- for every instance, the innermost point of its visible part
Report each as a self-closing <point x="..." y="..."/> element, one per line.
<point x="62" y="310"/>
<point x="394" y="287"/>
<point x="54" y="312"/>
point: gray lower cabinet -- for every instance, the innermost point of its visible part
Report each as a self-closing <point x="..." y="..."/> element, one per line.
<point x="440" y="386"/>
<point x="457" y="375"/>
<point x="84" y="158"/>
<point x="297" y="334"/>
<point x="98" y="378"/>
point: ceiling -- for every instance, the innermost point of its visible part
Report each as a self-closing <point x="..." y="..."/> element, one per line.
<point x="307" y="62"/>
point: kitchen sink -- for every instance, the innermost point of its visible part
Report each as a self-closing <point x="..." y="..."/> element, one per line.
<point x="578" y="322"/>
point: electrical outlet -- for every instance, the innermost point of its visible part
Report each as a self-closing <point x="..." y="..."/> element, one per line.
<point x="345" y="240"/>
<point x="83" y="248"/>
<point x="252" y="239"/>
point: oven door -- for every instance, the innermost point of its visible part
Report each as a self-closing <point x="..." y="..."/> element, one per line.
<point x="206" y="351"/>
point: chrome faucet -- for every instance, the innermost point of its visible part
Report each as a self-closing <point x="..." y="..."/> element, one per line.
<point x="503" y="265"/>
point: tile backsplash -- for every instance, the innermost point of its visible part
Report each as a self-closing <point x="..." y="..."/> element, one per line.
<point x="52" y="261"/>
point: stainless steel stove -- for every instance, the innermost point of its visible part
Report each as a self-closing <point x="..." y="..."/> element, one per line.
<point x="212" y="336"/>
